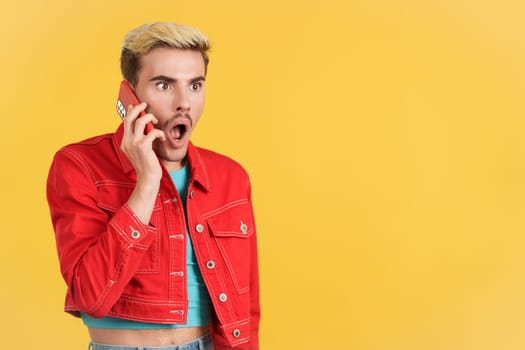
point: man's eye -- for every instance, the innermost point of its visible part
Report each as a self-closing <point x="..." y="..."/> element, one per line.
<point x="163" y="85"/>
<point x="196" y="86"/>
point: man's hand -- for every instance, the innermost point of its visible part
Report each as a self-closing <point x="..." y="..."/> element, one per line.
<point x="138" y="148"/>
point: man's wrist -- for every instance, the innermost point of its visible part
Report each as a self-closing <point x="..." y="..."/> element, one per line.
<point x="142" y="199"/>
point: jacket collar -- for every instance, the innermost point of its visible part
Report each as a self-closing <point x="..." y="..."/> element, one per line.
<point x="198" y="170"/>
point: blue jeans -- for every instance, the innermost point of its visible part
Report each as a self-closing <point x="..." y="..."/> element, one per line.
<point x="201" y="343"/>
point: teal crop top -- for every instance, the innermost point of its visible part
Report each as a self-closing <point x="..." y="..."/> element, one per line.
<point x="199" y="303"/>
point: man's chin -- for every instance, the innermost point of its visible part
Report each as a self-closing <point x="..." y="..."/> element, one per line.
<point x="173" y="159"/>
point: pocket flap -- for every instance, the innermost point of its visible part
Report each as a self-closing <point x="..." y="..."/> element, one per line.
<point x="235" y="221"/>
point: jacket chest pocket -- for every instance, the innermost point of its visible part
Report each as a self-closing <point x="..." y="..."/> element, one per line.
<point x="233" y="230"/>
<point x="110" y="198"/>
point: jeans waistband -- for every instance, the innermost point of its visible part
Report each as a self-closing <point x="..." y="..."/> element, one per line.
<point x="201" y="343"/>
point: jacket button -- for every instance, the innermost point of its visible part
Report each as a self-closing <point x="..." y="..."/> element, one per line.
<point x="199" y="228"/>
<point x="244" y="227"/>
<point x="191" y="194"/>
<point x="236" y="333"/>
<point x="135" y="234"/>
<point x="223" y="297"/>
<point x="210" y="264"/>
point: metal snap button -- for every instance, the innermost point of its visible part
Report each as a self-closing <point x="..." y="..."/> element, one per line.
<point x="210" y="264"/>
<point x="236" y="333"/>
<point x="135" y="234"/>
<point x="244" y="227"/>
<point x="191" y="194"/>
<point x="223" y="297"/>
<point x="199" y="228"/>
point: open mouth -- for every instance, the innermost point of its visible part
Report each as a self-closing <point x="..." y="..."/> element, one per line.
<point x="178" y="131"/>
<point x="178" y="128"/>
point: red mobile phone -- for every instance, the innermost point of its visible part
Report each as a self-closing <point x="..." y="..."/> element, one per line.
<point x="127" y="97"/>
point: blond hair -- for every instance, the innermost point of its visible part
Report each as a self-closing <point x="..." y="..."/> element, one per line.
<point x="140" y="41"/>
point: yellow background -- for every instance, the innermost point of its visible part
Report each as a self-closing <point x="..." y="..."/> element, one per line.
<point x="383" y="138"/>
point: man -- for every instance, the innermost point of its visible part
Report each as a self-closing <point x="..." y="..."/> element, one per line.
<point x="155" y="236"/>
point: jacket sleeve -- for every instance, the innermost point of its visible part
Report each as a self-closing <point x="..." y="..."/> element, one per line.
<point x="255" y="310"/>
<point x="98" y="252"/>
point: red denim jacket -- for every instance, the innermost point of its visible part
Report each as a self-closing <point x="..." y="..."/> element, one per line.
<point x="114" y="265"/>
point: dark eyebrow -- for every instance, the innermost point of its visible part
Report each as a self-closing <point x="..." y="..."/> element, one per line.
<point x="171" y="80"/>
<point x="196" y="80"/>
<point x="162" y="78"/>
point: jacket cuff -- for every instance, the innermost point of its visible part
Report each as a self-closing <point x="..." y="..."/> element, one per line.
<point x="135" y="234"/>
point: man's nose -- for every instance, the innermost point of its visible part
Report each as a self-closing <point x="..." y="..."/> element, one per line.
<point x="182" y="101"/>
